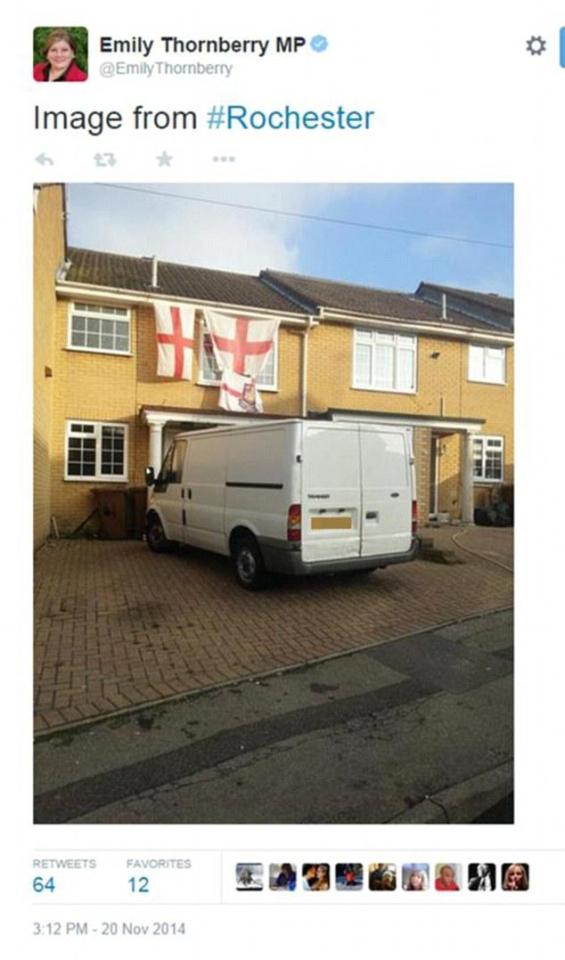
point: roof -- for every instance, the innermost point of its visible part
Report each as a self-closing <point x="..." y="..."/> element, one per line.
<point x="314" y="293"/>
<point x="488" y="307"/>
<point x="493" y="300"/>
<point x="99" y="269"/>
<point x="291" y="293"/>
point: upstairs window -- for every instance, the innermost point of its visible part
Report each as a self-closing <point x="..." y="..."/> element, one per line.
<point x="101" y="329"/>
<point x="210" y="373"/>
<point x="487" y="364"/>
<point x="384" y="361"/>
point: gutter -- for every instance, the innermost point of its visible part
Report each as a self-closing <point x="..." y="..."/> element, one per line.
<point x="70" y="289"/>
<point x="445" y="330"/>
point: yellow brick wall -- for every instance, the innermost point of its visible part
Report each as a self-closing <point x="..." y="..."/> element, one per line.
<point x="442" y="389"/>
<point x="97" y="386"/>
<point x="48" y="252"/>
<point x="105" y="387"/>
<point x="422" y="451"/>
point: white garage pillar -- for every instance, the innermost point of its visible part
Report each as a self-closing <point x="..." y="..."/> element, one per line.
<point x="467" y="500"/>
<point x="155" y="444"/>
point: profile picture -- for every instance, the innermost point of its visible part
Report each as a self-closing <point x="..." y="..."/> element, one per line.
<point x="415" y="876"/>
<point x="382" y="876"/>
<point x="249" y="876"/>
<point x="447" y="876"/>
<point x="481" y="876"/>
<point x="316" y="876"/>
<point x="60" y="54"/>
<point x="282" y="876"/>
<point x="349" y="876"/>
<point x="515" y="876"/>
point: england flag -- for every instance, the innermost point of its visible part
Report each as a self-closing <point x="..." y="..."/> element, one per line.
<point x="241" y="344"/>
<point x="174" y="328"/>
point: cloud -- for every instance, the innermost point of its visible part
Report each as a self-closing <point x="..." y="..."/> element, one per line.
<point x="202" y="234"/>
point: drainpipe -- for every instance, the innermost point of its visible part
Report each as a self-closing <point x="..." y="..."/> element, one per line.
<point x="304" y="384"/>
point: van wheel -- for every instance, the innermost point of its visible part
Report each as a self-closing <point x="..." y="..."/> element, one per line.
<point x="156" y="539"/>
<point x="248" y="563"/>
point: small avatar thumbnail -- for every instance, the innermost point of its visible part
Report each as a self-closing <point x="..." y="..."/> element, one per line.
<point x="249" y="876"/>
<point x="316" y="876"/>
<point x="282" y="876"/>
<point x="415" y="876"/>
<point x="349" y="876"/>
<point x="382" y="876"/>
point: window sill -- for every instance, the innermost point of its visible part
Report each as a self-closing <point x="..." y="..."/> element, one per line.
<point x="405" y="393"/>
<point x="105" y="353"/>
<point x="216" y="383"/>
<point x="95" y="479"/>
<point x="485" y="483"/>
<point x="490" y="383"/>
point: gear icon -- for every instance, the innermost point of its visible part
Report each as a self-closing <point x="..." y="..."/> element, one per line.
<point x="536" y="46"/>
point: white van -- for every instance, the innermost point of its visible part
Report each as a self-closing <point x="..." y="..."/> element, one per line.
<point x="293" y="496"/>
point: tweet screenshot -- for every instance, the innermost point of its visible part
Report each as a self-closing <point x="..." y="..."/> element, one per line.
<point x="283" y="568"/>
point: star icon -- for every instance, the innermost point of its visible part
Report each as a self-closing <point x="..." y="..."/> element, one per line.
<point x="164" y="159"/>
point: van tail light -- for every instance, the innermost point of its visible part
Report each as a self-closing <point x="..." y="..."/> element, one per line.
<point x="414" y="517"/>
<point x="294" y="524"/>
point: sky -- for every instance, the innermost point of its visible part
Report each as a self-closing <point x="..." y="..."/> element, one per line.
<point x="146" y="220"/>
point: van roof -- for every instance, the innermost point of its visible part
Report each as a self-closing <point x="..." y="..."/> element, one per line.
<point x="269" y="424"/>
<point x="229" y="427"/>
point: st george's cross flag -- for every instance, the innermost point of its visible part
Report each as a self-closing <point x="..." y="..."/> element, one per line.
<point x="241" y="348"/>
<point x="174" y="330"/>
<point x="241" y="344"/>
<point x="239" y="393"/>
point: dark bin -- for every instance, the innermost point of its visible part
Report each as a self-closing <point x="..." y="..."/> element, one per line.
<point x="113" y="513"/>
<point x="137" y="498"/>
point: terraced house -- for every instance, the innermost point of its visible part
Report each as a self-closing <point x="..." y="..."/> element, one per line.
<point x="439" y="360"/>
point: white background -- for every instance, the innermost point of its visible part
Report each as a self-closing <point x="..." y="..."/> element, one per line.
<point x="457" y="99"/>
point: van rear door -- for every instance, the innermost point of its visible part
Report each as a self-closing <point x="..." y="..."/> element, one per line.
<point x="386" y="515"/>
<point x="331" y="494"/>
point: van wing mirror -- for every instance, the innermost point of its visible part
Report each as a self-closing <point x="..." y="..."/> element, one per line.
<point x="149" y="476"/>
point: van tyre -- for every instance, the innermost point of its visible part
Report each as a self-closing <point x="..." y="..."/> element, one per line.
<point x="248" y="563"/>
<point x="156" y="538"/>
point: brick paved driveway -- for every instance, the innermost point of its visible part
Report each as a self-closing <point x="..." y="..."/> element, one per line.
<point x="118" y="627"/>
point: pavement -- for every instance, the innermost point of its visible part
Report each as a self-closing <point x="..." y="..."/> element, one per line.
<point x="411" y="730"/>
<point x="119" y="628"/>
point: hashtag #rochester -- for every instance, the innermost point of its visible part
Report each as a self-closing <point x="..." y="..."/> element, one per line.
<point x="235" y="116"/>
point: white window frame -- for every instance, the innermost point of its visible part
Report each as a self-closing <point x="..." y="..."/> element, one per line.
<point x="203" y="381"/>
<point x="483" y="439"/>
<point x="98" y="476"/>
<point x="484" y="379"/>
<point x="81" y="309"/>
<point x="357" y="385"/>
